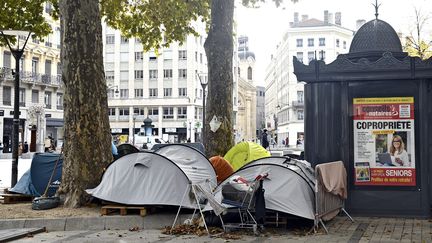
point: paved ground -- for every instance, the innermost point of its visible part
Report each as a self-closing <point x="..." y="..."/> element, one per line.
<point x="341" y="230"/>
<point x="6" y="169"/>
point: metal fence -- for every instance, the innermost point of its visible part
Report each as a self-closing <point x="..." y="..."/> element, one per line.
<point x="7" y="74"/>
<point x="327" y="204"/>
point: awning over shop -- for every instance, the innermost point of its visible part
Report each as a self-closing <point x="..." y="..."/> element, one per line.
<point x="54" y="122"/>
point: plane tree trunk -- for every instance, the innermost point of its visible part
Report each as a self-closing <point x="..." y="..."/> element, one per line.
<point x="87" y="146"/>
<point x="219" y="50"/>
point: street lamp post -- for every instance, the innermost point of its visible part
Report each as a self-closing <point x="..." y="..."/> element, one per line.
<point x="190" y="130"/>
<point x="38" y="132"/>
<point x="276" y="126"/>
<point x="17" y="53"/>
<point x="203" y="82"/>
<point x="133" y="130"/>
<point x="115" y="91"/>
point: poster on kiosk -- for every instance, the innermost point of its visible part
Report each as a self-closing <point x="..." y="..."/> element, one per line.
<point x="384" y="149"/>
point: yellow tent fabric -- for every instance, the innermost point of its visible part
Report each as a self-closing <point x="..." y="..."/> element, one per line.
<point x="245" y="152"/>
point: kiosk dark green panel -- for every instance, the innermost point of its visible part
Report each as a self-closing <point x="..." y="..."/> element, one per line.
<point x="371" y="108"/>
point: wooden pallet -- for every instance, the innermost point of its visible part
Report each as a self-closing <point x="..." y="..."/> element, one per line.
<point x="276" y="220"/>
<point x="15" y="198"/>
<point x="123" y="210"/>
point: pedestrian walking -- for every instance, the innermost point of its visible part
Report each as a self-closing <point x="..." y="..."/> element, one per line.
<point x="47" y="144"/>
<point x="264" y="139"/>
<point x="26" y="147"/>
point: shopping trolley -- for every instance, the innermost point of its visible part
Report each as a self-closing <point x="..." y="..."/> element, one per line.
<point x="244" y="202"/>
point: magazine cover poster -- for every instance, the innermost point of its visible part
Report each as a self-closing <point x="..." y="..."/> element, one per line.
<point x="384" y="149"/>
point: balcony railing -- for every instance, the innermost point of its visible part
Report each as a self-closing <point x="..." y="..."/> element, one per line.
<point x="46" y="79"/>
<point x="22" y="104"/>
<point x="139" y="118"/>
<point x="124" y="118"/>
<point x="6" y="74"/>
<point x="7" y="102"/>
<point x="48" y="106"/>
<point x="154" y="118"/>
<point x="30" y="77"/>
<point x="59" y="107"/>
<point x="298" y="103"/>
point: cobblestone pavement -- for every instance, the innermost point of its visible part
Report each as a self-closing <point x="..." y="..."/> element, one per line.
<point x="341" y="229"/>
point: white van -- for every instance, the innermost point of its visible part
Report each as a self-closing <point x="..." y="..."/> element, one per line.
<point x="146" y="142"/>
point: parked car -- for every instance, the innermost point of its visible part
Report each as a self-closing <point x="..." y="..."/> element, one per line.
<point x="147" y="142"/>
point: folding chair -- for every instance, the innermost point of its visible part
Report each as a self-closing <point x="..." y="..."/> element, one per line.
<point x="203" y="194"/>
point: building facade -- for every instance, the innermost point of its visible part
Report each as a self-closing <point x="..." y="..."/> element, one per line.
<point x="306" y="39"/>
<point x="41" y="89"/>
<point x="260" y="110"/>
<point x="165" y="87"/>
<point x="246" y="116"/>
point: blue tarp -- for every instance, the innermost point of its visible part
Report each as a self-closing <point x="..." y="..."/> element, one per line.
<point x="35" y="180"/>
<point x="24" y="185"/>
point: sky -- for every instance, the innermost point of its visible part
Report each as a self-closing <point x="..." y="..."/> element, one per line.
<point x="265" y="25"/>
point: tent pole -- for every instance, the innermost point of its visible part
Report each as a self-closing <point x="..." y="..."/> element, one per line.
<point x="178" y="211"/>
<point x="199" y="208"/>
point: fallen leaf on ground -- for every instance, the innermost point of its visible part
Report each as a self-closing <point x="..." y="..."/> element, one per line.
<point x="136" y="228"/>
<point x="195" y="229"/>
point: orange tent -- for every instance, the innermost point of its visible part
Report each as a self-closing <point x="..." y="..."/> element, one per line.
<point x="222" y="167"/>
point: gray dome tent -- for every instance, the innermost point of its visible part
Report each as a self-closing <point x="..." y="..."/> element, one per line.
<point x="288" y="189"/>
<point x="191" y="161"/>
<point x="148" y="178"/>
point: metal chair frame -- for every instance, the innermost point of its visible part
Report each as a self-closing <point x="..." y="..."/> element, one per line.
<point x="326" y="202"/>
<point x="198" y="197"/>
<point x="247" y="220"/>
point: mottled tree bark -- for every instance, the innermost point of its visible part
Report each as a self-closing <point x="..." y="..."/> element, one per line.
<point x="87" y="147"/>
<point x="219" y="50"/>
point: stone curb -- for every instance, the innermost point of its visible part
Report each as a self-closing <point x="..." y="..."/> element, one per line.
<point x="95" y="223"/>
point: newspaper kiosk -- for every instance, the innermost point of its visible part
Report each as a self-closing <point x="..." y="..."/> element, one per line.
<point x="371" y="108"/>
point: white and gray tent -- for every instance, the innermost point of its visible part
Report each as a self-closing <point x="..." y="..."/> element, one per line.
<point x="149" y="178"/>
<point x="289" y="187"/>
<point x="191" y="161"/>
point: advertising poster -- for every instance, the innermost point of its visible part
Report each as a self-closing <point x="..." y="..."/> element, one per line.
<point x="384" y="149"/>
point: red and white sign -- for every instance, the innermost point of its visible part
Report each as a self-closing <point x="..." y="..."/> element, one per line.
<point x="384" y="150"/>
